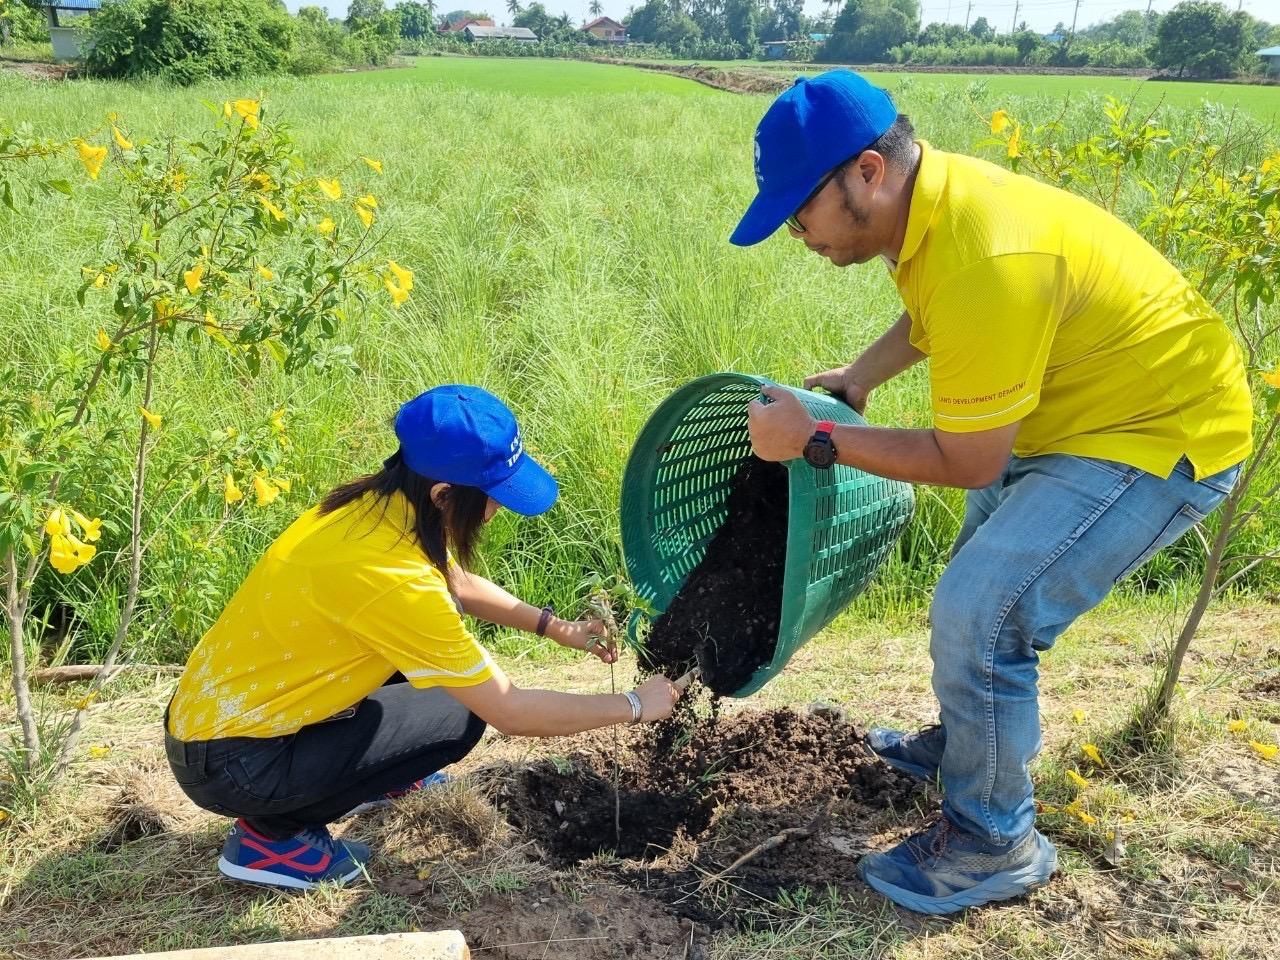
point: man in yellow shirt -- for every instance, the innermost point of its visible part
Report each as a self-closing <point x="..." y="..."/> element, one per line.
<point x="1092" y="403"/>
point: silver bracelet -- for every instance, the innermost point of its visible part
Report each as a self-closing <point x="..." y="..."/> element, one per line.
<point x="637" y="708"/>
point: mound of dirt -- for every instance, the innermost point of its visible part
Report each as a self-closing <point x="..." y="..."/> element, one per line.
<point x="691" y="800"/>
<point x="726" y="615"/>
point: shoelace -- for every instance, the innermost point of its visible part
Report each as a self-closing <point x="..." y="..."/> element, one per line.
<point x="939" y="834"/>
<point x="320" y="838"/>
<point x="924" y="732"/>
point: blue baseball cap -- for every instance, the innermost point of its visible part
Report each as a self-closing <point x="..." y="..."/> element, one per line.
<point x="465" y="435"/>
<point x="806" y="133"/>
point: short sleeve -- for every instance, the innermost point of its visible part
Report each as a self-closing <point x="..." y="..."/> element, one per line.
<point x="416" y="626"/>
<point x="989" y="327"/>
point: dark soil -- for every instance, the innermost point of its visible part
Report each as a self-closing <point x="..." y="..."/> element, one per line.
<point x="726" y="616"/>
<point x="694" y="801"/>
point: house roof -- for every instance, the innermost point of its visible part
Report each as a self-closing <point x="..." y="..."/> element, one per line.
<point x="459" y="25"/>
<point x="603" y="22"/>
<point x="1270" y="52"/>
<point x="500" y="33"/>
<point x="73" y="4"/>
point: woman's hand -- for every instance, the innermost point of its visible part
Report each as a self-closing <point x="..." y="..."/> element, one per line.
<point x="589" y="635"/>
<point x="658" y="697"/>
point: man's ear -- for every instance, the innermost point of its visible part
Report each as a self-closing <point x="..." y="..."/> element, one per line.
<point x="439" y="493"/>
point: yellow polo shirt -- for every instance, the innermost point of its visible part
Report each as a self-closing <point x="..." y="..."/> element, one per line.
<point x="336" y="606"/>
<point x="1036" y="305"/>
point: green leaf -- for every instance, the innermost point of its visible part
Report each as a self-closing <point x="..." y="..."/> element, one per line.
<point x="62" y="186"/>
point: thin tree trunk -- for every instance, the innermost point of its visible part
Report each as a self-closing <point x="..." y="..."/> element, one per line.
<point x="16" y="608"/>
<point x="135" y="568"/>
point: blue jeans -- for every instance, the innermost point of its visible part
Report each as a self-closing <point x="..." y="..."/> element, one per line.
<point x="1039" y="547"/>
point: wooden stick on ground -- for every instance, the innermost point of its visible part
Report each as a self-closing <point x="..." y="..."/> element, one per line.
<point x="89" y="671"/>
<point x="777" y="840"/>
<point x="682" y="683"/>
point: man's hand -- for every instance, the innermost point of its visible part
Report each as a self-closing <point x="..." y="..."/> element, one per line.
<point x="779" y="430"/>
<point x="840" y="383"/>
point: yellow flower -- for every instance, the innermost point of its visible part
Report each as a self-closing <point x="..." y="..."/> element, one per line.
<point x="226" y="109"/>
<point x="248" y="111"/>
<point x="1091" y="751"/>
<point x="1081" y="782"/>
<point x="210" y="324"/>
<point x="83" y="552"/>
<point x="99" y="752"/>
<point x="1087" y="819"/>
<point x="283" y="483"/>
<point x="193" y="277"/>
<point x="271" y="208"/>
<point x="61" y="555"/>
<point x="261" y="181"/>
<point x="277" y="421"/>
<point x="100" y="281"/>
<point x="104" y="342"/>
<point x="164" y="309"/>
<point x="330" y="188"/>
<point x="1236" y="726"/>
<point x="999" y="121"/>
<point x="264" y="490"/>
<point x="398" y="294"/>
<point x="365" y="215"/>
<point x="230" y="492"/>
<point x="1078" y="715"/>
<point x="152" y="418"/>
<point x="326" y="226"/>
<point x="121" y="141"/>
<point x="1014" y="149"/>
<point x="1046" y="808"/>
<point x="376" y="165"/>
<point x="92" y="157"/>
<point x="1273" y="378"/>
<point x="403" y="277"/>
<point x="90" y="529"/>
<point x="1267" y="751"/>
<point x="3" y="816"/>
<point x="369" y="200"/>
<point x="266" y="273"/>
<point x="58" y="524"/>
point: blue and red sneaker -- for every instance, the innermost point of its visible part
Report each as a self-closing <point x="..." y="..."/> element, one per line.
<point x="433" y="780"/>
<point x="298" y="863"/>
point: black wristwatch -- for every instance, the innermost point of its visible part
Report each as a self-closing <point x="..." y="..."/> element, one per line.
<point x="820" y="451"/>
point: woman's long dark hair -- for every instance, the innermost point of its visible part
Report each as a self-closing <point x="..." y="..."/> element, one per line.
<point x="453" y="526"/>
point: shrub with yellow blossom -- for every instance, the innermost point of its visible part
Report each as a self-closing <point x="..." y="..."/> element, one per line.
<point x="231" y="245"/>
<point x="1221" y="225"/>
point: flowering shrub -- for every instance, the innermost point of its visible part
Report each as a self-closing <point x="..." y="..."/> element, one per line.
<point x="225" y="244"/>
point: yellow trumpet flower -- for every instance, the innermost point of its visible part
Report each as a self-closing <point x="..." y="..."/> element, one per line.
<point x="365" y="215"/>
<point x="283" y="483"/>
<point x="104" y="342"/>
<point x="271" y="208"/>
<point x="999" y="121"/>
<point x="230" y="492"/>
<point x="121" y="141"/>
<point x="1081" y="782"/>
<point x="376" y="165"/>
<point x="193" y="277"/>
<point x="264" y="490"/>
<point x="266" y="273"/>
<point x="91" y="530"/>
<point x="1014" y="149"/>
<point x="152" y="418"/>
<point x="248" y="111"/>
<point x="403" y="277"/>
<point x="326" y="226"/>
<point x="330" y="188"/>
<point x="1092" y="752"/>
<point x="1273" y="378"/>
<point x="1267" y="751"/>
<point x="398" y="294"/>
<point x="58" y="524"/>
<point x="91" y="157"/>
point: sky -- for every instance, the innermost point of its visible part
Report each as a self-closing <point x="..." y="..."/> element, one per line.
<point x="1040" y="15"/>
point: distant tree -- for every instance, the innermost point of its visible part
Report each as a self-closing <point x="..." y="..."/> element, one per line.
<point x="865" y="30"/>
<point x="741" y="18"/>
<point x="596" y="8"/>
<point x="364" y="10"/>
<point x="417" y="20"/>
<point x="513" y="7"/>
<point x="1200" y="38"/>
<point x="981" y="31"/>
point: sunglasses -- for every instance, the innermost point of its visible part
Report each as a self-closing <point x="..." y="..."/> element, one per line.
<point x="793" y="221"/>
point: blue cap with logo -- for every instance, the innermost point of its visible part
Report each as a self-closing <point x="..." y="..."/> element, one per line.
<point x="807" y="132"/>
<point x="465" y="435"/>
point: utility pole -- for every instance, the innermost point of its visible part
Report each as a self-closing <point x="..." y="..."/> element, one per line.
<point x="969" y="11"/>
<point x="1013" y="28"/>
<point x="1071" y="36"/>
<point x="1146" y="22"/>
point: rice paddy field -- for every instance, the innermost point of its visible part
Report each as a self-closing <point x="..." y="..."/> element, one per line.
<point x="567" y="224"/>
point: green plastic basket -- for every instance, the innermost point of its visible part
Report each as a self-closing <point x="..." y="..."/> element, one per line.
<point x="842" y="522"/>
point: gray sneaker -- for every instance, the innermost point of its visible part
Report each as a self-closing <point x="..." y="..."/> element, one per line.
<point x="942" y="869"/>
<point x="919" y="754"/>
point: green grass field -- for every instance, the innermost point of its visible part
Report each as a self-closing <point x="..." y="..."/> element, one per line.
<point x="1261" y="101"/>
<point x="530" y="76"/>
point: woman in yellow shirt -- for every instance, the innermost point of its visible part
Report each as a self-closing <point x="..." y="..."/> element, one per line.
<point x="287" y="717"/>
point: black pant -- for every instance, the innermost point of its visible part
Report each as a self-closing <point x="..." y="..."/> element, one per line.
<point x="284" y="785"/>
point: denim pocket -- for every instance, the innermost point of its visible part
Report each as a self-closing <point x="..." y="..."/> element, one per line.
<point x="1182" y="521"/>
<point x="261" y="771"/>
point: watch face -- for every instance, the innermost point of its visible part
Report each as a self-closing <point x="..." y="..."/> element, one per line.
<point x="819" y="453"/>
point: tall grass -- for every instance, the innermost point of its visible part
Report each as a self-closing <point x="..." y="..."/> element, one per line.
<point x="571" y="254"/>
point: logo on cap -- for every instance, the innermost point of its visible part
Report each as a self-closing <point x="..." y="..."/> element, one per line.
<point x="759" y="175"/>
